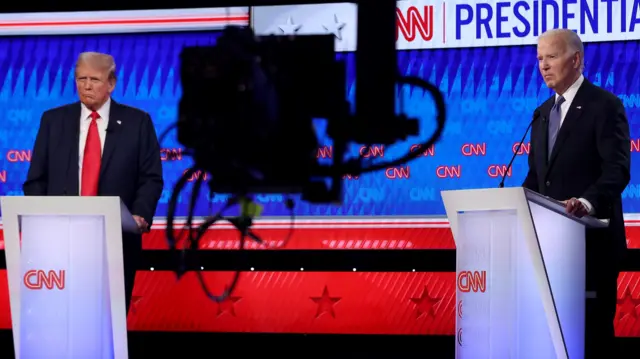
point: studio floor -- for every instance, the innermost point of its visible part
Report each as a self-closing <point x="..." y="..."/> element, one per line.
<point x="209" y="345"/>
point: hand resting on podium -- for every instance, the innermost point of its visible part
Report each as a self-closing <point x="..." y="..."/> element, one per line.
<point x="576" y="207"/>
<point x="143" y="226"/>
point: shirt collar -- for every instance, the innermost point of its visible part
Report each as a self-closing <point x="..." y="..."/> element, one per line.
<point x="102" y="111"/>
<point x="571" y="92"/>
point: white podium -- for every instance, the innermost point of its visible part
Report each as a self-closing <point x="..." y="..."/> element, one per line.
<point x="520" y="272"/>
<point x="66" y="277"/>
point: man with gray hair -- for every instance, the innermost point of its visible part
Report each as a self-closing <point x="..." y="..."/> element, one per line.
<point x="98" y="147"/>
<point x="580" y="155"/>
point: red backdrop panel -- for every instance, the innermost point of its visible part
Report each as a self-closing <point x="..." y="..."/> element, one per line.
<point x="314" y="302"/>
<point x="433" y="235"/>
<point x="327" y="235"/>
<point x="302" y="302"/>
<point x="349" y="235"/>
<point x="627" y="322"/>
<point x="410" y="303"/>
<point x="633" y="234"/>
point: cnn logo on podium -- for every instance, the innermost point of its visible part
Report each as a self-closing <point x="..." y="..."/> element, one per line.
<point x="472" y="281"/>
<point x="38" y="279"/>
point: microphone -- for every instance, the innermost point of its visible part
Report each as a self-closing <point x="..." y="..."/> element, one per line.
<point x="536" y="115"/>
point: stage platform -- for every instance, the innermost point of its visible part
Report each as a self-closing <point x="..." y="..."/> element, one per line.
<point x="148" y="345"/>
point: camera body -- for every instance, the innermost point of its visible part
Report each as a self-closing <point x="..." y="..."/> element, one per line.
<point x="248" y="107"/>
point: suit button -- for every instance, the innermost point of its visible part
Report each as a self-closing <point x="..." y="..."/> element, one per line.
<point x="548" y="183"/>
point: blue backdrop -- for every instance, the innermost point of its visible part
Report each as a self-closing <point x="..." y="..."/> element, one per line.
<point x="490" y="95"/>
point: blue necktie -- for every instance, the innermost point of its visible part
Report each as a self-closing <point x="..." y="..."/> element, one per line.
<point x="554" y="124"/>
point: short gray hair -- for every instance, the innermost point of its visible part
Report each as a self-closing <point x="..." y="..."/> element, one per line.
<point x="571" y="39"/>
<point x="100" y="61"/>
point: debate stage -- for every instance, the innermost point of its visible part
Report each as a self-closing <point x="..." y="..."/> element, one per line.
<point x="147" y="345"/>
<point x="306" y="297"/>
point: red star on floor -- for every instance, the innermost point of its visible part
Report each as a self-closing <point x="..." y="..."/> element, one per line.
<point x="425" y="304"/>
<point x="134" y="303"/>
<point x="228" y="305"/>
<point x="627" y="305"/>
<point x="325" y="303"/>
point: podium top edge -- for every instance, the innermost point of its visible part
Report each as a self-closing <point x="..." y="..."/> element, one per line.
<point x="501" y="190"/>
<point x="58" y="198"/>
<point x="509" y="198"/>
<point x="59" y="205"/>
<point x="70" y="200"/>
<point x="559" y="208"/>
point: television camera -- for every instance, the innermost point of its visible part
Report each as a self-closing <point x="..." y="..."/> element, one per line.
<point x="247" y="117"/>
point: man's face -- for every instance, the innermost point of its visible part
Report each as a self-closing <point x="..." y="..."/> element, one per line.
<point x="94" y="85"/>
<point x="557" y="64"/>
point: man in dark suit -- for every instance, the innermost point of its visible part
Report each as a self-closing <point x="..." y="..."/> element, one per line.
<point x="580" y="154"/>
<point x="98" y="147"/>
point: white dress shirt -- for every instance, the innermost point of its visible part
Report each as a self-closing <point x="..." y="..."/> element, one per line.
<point x="569" y="95"/>
<point x="85" y="121"/>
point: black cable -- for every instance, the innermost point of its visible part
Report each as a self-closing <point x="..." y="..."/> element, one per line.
<point x="171" y="238"/>
<point x="173" y="202"/>
<point x="188" y="226"/>
<point x="290" y="203"/>
<point x="243" y="224"/>
<point x="192" y="204"/>
<point x="192" y="248"/>
<point x="355" y="168"/>
<point x="202" y="230"/>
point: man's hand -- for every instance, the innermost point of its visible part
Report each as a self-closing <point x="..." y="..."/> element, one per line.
<point x="575" y="207"/>
<point x="142" y="224"/>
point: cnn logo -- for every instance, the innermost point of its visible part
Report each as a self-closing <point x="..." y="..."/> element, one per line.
<point x="38" y="279"/>
<point x="475" y="281"/>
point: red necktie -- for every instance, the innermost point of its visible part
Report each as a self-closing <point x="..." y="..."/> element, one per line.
<point x="92" y="159"/>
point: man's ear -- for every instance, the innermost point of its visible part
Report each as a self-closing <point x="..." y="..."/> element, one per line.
<point x="112" y="84"/>
<point x="577" y="62"/>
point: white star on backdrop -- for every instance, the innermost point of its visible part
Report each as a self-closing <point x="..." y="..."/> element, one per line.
<point x="335" y="27"/>
<point x="290" y="28"/>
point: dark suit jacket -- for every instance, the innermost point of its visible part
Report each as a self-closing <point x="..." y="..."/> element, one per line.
<point x="131" y="167"/>
<point x="590" y="159"/>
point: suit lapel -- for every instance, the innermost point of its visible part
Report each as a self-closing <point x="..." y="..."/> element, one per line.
<point x="570" y="121"/>
<point x="73" y="129"/>
<point x="114" y="130"/>
<point x="543" y="137"/>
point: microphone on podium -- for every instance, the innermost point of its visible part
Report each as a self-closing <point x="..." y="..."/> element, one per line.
<point x="536" y="115"/>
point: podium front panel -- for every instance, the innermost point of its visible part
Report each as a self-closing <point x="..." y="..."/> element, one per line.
<point x="561" y="242"/>
<point x="65" y="307"/>
<point x="499" y="310"/>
